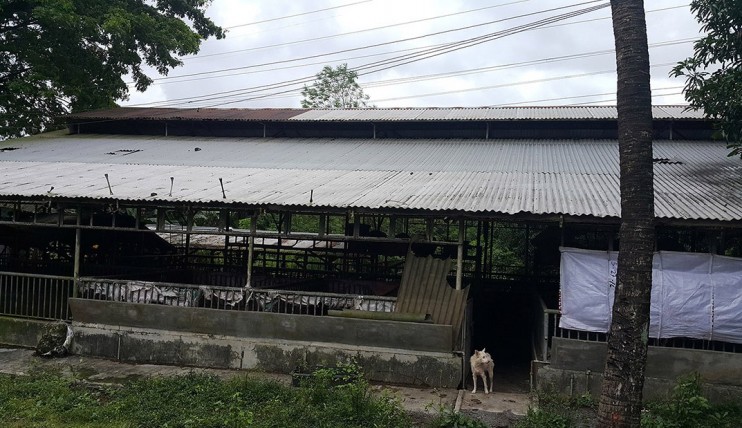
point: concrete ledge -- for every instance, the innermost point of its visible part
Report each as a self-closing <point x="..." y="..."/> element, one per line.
<point x="662" y="363"/>
<point x="265" y="325"/>
<point x="575" y="383"/>
<point x="21" y="331"/>
<point x="576" y="368"/>
<point x="142" y="345"/>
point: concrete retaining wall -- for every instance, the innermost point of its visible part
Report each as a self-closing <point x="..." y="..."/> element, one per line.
<point x="576" y="368"/>
<point x="388" y="351"/>
<point x="21" y="331"/>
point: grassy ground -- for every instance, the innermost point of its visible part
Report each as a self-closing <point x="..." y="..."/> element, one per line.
<point x="685" y="408"/>
<point x="328" y="399"/>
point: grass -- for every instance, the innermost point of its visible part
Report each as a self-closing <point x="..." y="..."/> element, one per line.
<point x="47" y="399"/>
<point x="687" y="407"/>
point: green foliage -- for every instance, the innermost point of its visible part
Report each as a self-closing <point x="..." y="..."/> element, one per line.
<point x="541" y="418"/>
<point x="688" y="408"/>
<point x="334" y="88"/>
<point x="58" y="56"/>
<point x="449" y="419"/>
<point x="186" y="401"/>
<point x="196" y="400"/>
<point x="337" y="397"/>
<point x="714" y="72"/>
<point x="558" y="411"/>
<point x="45" y="399"/>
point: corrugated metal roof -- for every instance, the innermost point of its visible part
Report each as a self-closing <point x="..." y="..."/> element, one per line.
<point x="488" y="113"/>
<point x="571" y="177"/>
<point x="380" y="114"/>
<point x="155" y="113"/>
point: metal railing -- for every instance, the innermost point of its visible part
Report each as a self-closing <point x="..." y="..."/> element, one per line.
<point x="229" y="298"/>
<point x="35" y="296"/>
<point x="544" y="329"/>
<point x="548" y="327"/>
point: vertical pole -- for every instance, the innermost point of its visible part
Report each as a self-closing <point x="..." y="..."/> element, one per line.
<point x="251" y="248"/>
<point x="76" y="269"/>
<point x="460" y="257"/>
<point x="189" y="229"/>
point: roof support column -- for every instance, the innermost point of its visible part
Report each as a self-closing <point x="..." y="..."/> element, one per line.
<point x="460" y="256"/>
<point x="189" y="229"/>
<point x="251" y="248"/>
<point x="76" y="268"/>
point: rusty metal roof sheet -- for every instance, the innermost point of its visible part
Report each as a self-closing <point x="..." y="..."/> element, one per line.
<point x="380" y="114"/>
<point x="155" y="113"/>
<point x="693" y="179"/>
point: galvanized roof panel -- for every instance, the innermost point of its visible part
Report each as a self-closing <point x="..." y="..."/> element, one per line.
<point x="489" y="113"/>
<point x="380" y="114"/>
<point x="693" y="179"/>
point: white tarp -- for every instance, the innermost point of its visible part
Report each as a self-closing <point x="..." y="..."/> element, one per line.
<point x="696" y="295"/>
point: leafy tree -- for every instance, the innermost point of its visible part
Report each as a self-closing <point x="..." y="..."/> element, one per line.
<point x="623" y="377"/>
<point x="334" y="88"/>
<point x="61" y="56"/>
<point x="717" y="92"/>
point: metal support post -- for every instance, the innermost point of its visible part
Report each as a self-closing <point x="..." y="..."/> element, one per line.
<point x="460" y="257"/>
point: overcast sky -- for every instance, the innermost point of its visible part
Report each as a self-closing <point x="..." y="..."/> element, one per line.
<point x="273" y="45"/>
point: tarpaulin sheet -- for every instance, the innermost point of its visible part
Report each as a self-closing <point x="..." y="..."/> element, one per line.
<point x="695" y="295"/>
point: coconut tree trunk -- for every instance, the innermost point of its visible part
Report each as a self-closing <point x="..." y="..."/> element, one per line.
<point x="623" y="377"/>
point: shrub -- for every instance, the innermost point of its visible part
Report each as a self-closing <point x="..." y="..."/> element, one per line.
<point x="449" y="419"/>
<point x="688" y="408"/>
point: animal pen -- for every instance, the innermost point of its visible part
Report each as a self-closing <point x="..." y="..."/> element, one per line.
<point x="273" y="238"/>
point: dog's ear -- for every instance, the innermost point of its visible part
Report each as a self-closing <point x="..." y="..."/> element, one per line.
<point x="483" y="350"/>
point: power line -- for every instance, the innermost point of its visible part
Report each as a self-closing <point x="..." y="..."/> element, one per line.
<point x="400" y="60"/>
<point x="298" y="14"/>
<point x="314" y="39"/>
<point x="210" y="75"/>
<point x="509" y="84"/>
<point x="407" y="23"/>
<point x="613" y="93"/>
<point x="371" y="46"/>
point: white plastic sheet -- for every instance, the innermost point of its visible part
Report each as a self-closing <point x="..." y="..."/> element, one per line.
<point x="694" y="295"/>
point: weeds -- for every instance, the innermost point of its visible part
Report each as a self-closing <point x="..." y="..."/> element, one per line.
<point x="555" y="411"/>
<point x="195" y="400"/>
<point x="688" y="408"/>
<point x="449" y="419"/>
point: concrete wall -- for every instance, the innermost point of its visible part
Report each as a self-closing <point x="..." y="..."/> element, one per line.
<point x="21" y="331"/>
<point x="576" y="368"/>
<point x="388" y="351"/>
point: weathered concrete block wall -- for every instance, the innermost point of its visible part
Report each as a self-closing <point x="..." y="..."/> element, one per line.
<point x="266" y="325"/>
<point x="21" y="332"/>
<point x="576" y="368"/>
<point x="388" y="351"/>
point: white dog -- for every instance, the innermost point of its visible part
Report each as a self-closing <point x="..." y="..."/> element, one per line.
<point x="482" y="365"/>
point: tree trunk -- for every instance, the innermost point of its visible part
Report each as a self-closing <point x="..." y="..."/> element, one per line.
<point x="623" y="377"/>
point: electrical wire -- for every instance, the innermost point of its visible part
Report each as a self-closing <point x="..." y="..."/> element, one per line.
<point x="370" y="46"/>
<point x="396" y="61"/>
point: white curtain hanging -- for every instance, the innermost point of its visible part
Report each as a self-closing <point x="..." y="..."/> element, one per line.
<point x="695" y="295"/>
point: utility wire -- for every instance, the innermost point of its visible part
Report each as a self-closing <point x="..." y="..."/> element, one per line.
<point x="298" y="14"/>
<point x="383" y="27"/>
<point x="373" y="45"/>
<point x="400" y="60"/>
